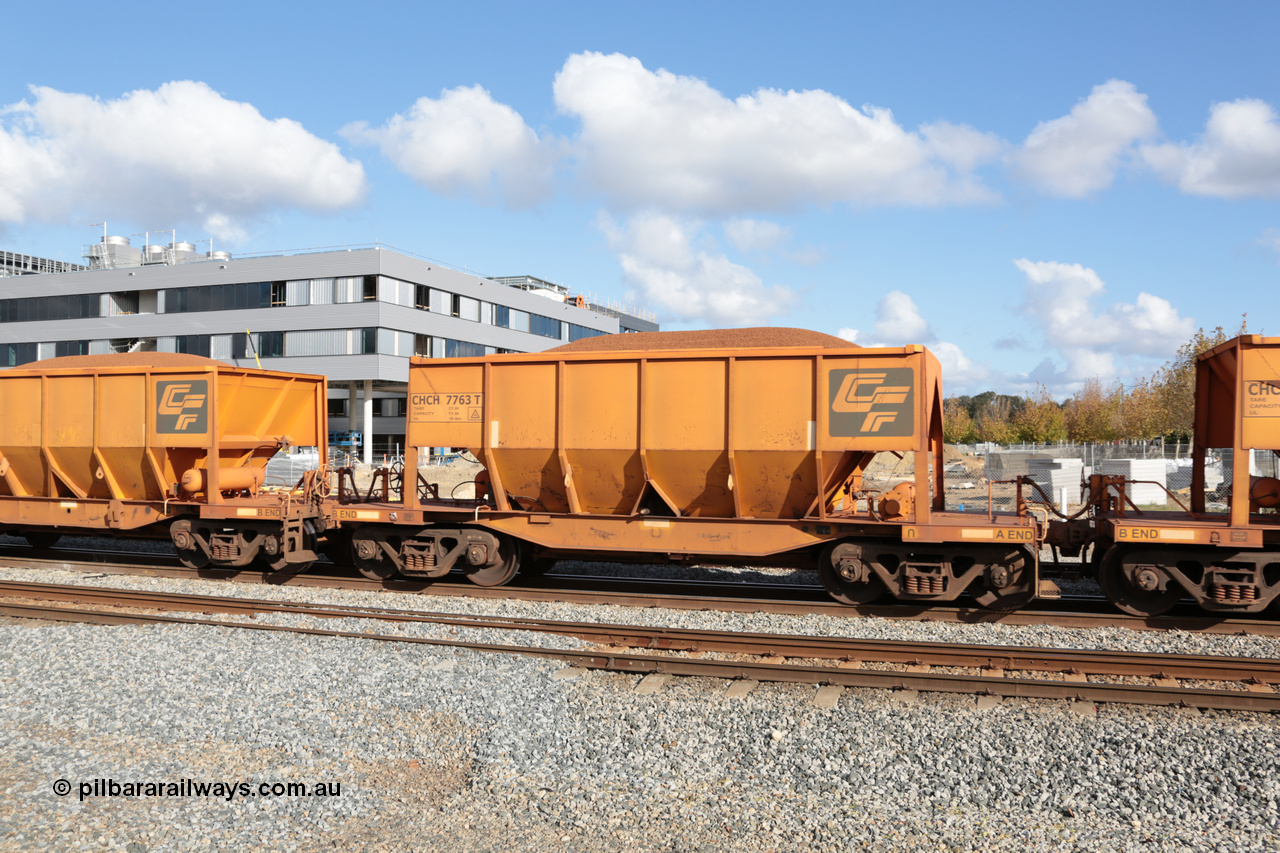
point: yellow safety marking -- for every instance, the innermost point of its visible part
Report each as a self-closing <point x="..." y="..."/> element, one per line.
<point x="999" y="534"/>
<point x="1148" y="534"/>
<point x="653" y="522"/>
<point x="358" y="514"/>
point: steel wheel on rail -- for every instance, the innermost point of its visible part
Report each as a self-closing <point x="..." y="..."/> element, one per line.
<point x="847" y="575"/>
<point x="1136" y="586"/>
<point x="1006" y="584"/>
<point x="371" y="558"/>
<point x="502" y="566"/>
<point x="42" y="539"/>
<point x="190" y="554"/>
<point x="281" y="569"/>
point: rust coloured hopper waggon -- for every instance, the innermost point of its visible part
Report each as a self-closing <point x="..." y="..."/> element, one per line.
<point x="734" y="448"/>
<point x="1222" y="553"/>
<point x="161" y="444"/>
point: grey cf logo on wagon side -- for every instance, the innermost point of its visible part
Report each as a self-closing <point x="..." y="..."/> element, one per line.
<point x="182" y="406"/>
<point x="872" y="402"/>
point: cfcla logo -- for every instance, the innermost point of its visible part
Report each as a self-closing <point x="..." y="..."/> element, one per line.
<point x="872" y="402"/>
<point x="182" y="406"/>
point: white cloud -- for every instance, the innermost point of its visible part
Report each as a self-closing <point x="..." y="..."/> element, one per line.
<point x="660" y="262"/>
<point x="756" y="235"/>
<point x="656" y="139"/>
<point x="1237" y="156"/>
<point x="1270" y="239"/>
<point x="1059" y="297"/>
<point x="899" y="322"/>
<point x="179" y="154"/>
<point x="1078" y="154"/>
<point x="466" y="142"/>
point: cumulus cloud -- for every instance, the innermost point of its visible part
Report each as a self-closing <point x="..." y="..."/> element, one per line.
<point x="1237" y="156"/>
<point x="465" y="142"/>
<point x="899" y="322"/>
<point x="1059" y="299"/>
<point x="1078" y="154"/>
<point x="182" y="153"/>
<point x="1270" y="239"/>
<point x="756" y="235"/>
<point x="662" y="263"/>
<point x="660" y="140"/>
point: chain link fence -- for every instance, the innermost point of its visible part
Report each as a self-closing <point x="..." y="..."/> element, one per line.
<point x="972" y="471"/>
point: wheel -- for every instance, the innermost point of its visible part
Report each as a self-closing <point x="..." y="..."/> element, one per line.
<point x="371" y="559"/>
<point x="193" y="558"/>
<point x="283" y="570"/>
<point x="847" y="577"/>
<point x="504" y="570"/>
<point x="1137" y="587"/>
<point x="1006" y="585"/>
<point x="41" y="539"/>
<point x="537" y="567"/>
<point x="190" y="554"/>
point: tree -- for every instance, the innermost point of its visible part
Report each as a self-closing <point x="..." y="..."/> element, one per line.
<point x="1040" y="420"/>
<point x="1139" y="414"/>
<point x="1174" y="385"/>
<point x="993" y="422"/>
<point x="957" y="425"/>
<point x="1091" y="413"/>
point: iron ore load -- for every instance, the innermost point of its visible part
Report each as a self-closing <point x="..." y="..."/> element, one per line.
<point x="160" y="444"/>
<point x="730" y="447"/>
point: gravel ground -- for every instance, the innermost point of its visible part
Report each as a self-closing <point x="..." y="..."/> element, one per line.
<point x="444" y="749"/>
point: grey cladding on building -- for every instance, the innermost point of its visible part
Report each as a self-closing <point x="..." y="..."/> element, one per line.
<point x="356" y="315"/>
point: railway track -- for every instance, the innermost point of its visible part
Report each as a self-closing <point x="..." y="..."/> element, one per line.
<point x="1153" y="679"/>
<point x="734" y="596"/>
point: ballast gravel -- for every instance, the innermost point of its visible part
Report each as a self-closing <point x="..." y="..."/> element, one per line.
<point x="437" y="748"/>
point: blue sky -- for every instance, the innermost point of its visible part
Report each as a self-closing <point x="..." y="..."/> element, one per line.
<point x="1039" y="192"/>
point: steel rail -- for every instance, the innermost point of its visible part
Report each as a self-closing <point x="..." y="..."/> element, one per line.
<point x="1200" y="622"/>
<point x="1017" y="658"/>
<point x="1231" y="700"/>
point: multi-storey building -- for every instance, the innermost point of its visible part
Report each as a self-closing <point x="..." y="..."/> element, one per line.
<point x="355" y="315"/>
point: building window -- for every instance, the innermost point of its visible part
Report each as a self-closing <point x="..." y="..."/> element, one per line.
<point x="577" y="333"/>
<point x="502" y="316"/>
<point x="279" y="294"/>
<point x="422" y="297"/>
<point x="193" y="344"/>
<point x="271" y="344"/>
<point x="62" y="348"/>
<point x="544" y="326"/>
<point x="218" y="297"/>
<point x="422" y="346"/>
<point x="462" y="349"/>
<point x="368" y="341"/>
<point x="388" y="407"/>
<point x="337" y="407"/>
<point x="75" y="307"/>
<point x="12" y="355"/>
<point x="370" y="293"/>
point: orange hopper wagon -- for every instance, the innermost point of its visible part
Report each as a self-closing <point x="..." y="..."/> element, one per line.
<point x="160" y="443"/>
<point x="730" y="447"/>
